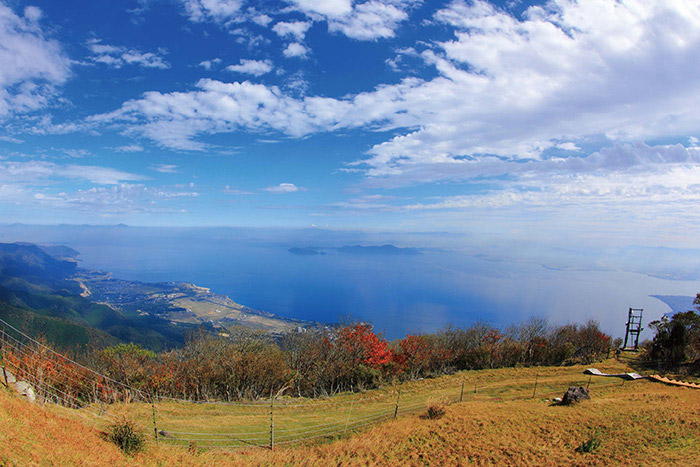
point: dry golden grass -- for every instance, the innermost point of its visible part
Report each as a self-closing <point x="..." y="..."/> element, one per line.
<point x="638" y="423"/>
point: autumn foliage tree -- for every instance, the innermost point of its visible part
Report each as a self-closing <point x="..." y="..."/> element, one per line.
<point x="318" y="361"/>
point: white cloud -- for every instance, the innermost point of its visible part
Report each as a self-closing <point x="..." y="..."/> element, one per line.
<point x="513" y="88"/>
<point x="626" y="190"/>
<point x="328" y="8"/>
<point x="31" y="66"/>
<point x="261" y="20"/>
<point x="40" y="171"/>
<point x="284" y="188"/>
<point x="129" y="148"/>
<point x="11" y="139"/>
<point x="251" y="67"/>
<point x="122" y="198"/>
<point x="208" y="64"/>
<point x="164" y="168"/>
<point x="370" y="20"/>
<point x="295" y="29"/>
<point x="117" y="57"/>
<point x="217" y="10"/>
<point x="234" y="191"/>
<point x="295" y="50"/>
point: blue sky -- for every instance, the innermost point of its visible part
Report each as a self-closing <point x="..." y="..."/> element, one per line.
<point x="561" y="121"/>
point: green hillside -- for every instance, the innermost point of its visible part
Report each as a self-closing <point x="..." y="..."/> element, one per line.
<point x="35" y="286"/>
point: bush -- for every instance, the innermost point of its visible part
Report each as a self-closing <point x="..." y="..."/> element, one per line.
<point x="125" y="435"/>
<point x="435" y="411"/>
<point x="589" y="446"/>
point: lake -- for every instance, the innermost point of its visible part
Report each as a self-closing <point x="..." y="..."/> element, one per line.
<point x="398" y="293"/>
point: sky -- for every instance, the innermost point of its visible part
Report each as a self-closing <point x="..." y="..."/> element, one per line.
<point x="553" y="121"/>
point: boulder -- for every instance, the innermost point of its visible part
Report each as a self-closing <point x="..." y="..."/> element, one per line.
<point x="25" y="389"/>
<point x="6" y="375"/>
<point x="575" y="394"/>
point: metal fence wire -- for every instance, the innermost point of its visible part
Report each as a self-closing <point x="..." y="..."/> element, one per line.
<point x="280" y="421"/>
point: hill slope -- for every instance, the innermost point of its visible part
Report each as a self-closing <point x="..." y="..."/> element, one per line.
<point x="44" y="282"/>
<point x="637" y="423"/>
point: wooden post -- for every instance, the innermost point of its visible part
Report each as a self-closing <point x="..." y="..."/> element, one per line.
<point x="474" y="386"/>
<point x="589" y="381"/>
<point x="272" y="422"/>
<point x="461" y="393"/>
<point x="2" y="357"/>
<point x="534" y="390"/>
<point x="396" y="409"/>
<point x="153" y="407"/>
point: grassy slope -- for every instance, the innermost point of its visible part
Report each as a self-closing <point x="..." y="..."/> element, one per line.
<point x="61" y="333"/>
<point x="637" y="423"/>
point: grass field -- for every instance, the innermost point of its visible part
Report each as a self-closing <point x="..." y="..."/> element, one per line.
<point x="636" y="423"/>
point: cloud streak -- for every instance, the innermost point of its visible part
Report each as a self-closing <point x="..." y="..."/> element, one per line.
<point x="117" y="56"/>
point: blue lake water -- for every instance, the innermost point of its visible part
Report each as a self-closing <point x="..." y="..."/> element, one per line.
<point x="398" y="294"/>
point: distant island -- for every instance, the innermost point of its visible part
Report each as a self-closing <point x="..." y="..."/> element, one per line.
<point x="308" y="251"/>
<point x="383" y="250"/>
<point x="379" y="250"/>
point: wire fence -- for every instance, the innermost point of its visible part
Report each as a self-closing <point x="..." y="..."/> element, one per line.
<point x="279" y="421"/>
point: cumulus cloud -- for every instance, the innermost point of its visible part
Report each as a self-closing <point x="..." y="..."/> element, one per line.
<point x="208" y="64"/>
<point x="217" y="10"/>
<point x="294" y="29"/>
<point x="368" y="20"/>
<point x="117" y="56"/>
<point x="328" y="8"/>
<point x="295" y="49"/>
<point x="32" y="66"/>
<point x="284" y="188"/>
<point x="507" y="91"/>
<point x="505" y="86"/>
<point x="251" y="67"/>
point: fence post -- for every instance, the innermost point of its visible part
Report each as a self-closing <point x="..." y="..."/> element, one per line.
<point x="461" y="393"/>
<point x="475" y="386"/>
<point x="396" y="409"/>
<point x="272" y="421"/>
<point x="2" y="356"/>
<point x="153" y="407"/>
<point x="589" y="381"/>
<point x="537" y="375"/>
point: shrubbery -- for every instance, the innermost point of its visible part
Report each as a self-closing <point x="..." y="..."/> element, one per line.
<point x="316" y="362"/>
<point x="125" y="435"/>
<point x="352" y="357"/>
<point x="677" y="340"/>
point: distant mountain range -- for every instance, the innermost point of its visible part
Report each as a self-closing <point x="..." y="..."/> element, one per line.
<point x="44" y="292"/>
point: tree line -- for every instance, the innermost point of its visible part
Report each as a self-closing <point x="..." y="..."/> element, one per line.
<point x="350" y="357"/>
